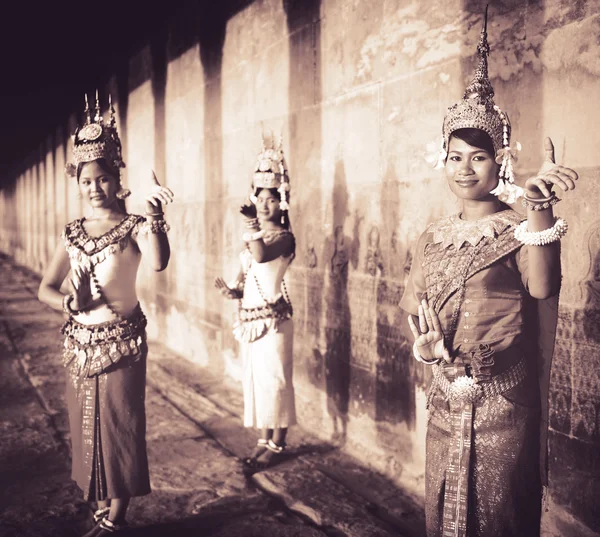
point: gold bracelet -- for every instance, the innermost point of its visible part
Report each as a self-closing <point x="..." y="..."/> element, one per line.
<point x="539" y="205"/>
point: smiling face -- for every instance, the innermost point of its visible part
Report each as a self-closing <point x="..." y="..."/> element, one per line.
<point x="267" y="206"/>
<point x="471" y="171"/>
<point x="97" y="186"/>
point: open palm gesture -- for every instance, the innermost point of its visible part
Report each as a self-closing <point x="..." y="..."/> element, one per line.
<point x="227" y="291"/>
<point x="429" y="337"/>
<point x="82" y="289"/>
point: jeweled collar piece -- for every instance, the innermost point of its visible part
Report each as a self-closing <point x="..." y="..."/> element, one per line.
<point x="456" y="232"/>
<point x="88" y="250"/>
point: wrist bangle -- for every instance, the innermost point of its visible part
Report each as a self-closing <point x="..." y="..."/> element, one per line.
<point x="419" y="358"/>
<point x="66" y="304"/>
<point x="539" y="204"/>
<point x="154" y="214"/>
<point x="539" y="200"/>
<point x="159" y="226"/>
<point x="249" y="237"/>
<point x="541" y="238"/>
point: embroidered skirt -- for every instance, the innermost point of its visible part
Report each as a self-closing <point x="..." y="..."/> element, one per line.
<point x="108" y="428"/>
<point x="482" y="464"/>
<point x="267" y="379"/>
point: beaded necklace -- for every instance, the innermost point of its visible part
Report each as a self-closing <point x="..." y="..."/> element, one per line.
<point x="92" y="247"/>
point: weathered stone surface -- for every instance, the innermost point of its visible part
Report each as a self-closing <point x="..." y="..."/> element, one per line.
<point x="198" y="487"/>
<point x="358" y="90"/>
<point x="311" y="493"/>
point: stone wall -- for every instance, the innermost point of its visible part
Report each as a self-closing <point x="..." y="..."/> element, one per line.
<point x="358" y="90"/>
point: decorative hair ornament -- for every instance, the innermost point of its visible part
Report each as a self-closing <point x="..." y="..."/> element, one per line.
<point x="477" y="110"/>
<point x="97" y="139"/>
<point x="541" y="238"/>
<point x="271" y="172"/>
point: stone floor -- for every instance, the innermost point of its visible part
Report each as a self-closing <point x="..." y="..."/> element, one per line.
<point x="195" y="442"/>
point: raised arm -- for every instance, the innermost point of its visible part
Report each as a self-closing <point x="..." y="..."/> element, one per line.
<point x="265" y="245"/>
<point x="262" y="251"/>
<point x="544" y="259"/>
<point x="155" y="244"/>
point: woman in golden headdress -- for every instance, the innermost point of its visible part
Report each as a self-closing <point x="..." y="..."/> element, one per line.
<point x="473" y="279"/>
<point x="265" y="328"/>
<point x="105" y="339"/>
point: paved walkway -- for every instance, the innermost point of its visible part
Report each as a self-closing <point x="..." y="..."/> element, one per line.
<point x="195" y="442"/>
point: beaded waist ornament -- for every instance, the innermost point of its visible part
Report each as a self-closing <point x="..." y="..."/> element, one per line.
<point x="92" y="349"/>
<point x="280" y="310"/>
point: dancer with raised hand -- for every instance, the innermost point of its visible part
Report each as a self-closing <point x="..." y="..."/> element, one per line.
<point x="265" y="328"/>
<point x="474" y="279"/>
<point x="105" y="338"/>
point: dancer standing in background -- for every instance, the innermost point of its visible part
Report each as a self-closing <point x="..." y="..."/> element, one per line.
<point x="105" y="339"/>
<point x="473" y="280"/>
<point x="265" y="328"/>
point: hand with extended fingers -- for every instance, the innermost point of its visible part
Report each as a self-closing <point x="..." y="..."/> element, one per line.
<point x="248" y="210"/>
<point x="159" y="195"/>
<point x="227" y="291"/>
<point x="429" y="337"/>
<point x="550" y="174"/>
<point x="82" y="289"/>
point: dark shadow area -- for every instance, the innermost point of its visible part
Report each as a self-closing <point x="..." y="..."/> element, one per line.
<point x="211" y="38"/>
<point x="158" y="53"/>
<point x="395" y="370"/>
<point x="575" y="402"/>
<point x="256" y="516"/>
<point x="339" y="253"/>
<point x="303" y="150"/>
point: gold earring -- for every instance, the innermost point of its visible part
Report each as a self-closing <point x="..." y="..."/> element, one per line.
<point x="123" y="193"/>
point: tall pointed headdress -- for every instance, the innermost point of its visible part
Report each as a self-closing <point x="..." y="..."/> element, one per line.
<point x="271" y="172"/>
<point x="477" y="110"/>
<point x="96" y="139"/>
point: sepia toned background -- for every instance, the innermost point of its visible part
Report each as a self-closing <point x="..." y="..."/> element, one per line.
<point x="358" y="90"/>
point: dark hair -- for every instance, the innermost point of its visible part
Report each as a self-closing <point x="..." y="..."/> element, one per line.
<point x="111" y="170"/>
<point x="476" y="138"/>
<point x="276" y="194"/>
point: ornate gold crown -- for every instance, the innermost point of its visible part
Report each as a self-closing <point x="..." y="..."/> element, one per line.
<point x="271" y="172"/>
<point x="477" y="110"/>
<point x="96" y="139"/>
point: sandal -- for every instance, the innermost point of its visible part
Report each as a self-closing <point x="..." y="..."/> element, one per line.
<point x="276" y="449"/>
<point x="101" y="514"/>
<point x="107" y="525"/>
<point x="249" y="462"/>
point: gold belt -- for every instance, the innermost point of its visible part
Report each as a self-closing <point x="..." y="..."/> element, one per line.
<point x="468" y="389"/>
<point x="92" y="349"/>
<point x="281" y="310"/>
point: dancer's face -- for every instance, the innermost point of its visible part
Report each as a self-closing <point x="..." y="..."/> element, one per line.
<point x="267" y="206"/>
<point x="98" y="187"/>
<point x="471" y="171"/>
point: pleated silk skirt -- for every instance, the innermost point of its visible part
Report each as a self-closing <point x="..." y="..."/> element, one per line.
<point x="268" y="379"/>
